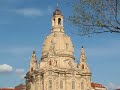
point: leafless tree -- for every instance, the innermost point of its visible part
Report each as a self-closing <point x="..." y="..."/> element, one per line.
<point x="96" y="16"/>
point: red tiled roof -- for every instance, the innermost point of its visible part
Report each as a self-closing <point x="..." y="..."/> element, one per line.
<point x="97" y="85"/>
<point x="20" y="87"/>
<point x="7" y="89"/>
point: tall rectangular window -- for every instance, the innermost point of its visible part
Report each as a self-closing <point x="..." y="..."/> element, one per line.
<point x="82" y="85"/>
<point x="50" y="84"/>
<point x="73" y="84"/>
<point x="61" y="84"/>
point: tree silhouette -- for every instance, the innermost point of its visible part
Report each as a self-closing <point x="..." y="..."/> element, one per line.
<point x="95" y="16"/>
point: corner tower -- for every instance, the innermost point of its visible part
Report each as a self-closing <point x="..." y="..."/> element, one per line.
<point x="83" y="63"/>
<point x="86" y="74"/>
<point x="33" y="62"/>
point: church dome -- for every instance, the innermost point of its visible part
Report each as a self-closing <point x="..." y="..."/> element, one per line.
<point x="60" y="43"/>
<point x="57" y="43"/>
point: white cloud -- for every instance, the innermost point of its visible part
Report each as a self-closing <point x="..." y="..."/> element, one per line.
<point x="30" y="12"/>
<point x="112" y="86"/>
<point x="22" y="76"/>
<point x="34" y="11"/>
<point x="5" y="68"/>
<point x="20" y="71"/>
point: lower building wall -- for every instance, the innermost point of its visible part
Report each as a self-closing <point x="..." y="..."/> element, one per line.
<point x="60" y="83"/>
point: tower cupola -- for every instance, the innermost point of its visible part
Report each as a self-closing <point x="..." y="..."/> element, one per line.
<point x="57" y="21"/>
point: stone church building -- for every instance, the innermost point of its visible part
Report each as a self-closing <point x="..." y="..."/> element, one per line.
<point x="57" y="69"/>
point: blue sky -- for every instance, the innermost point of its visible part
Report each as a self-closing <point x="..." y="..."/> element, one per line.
<point x="23" y="27"/>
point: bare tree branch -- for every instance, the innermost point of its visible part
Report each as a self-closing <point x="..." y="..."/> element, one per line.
<point x="96" y="16"/>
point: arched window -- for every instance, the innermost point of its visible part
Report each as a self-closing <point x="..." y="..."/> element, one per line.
<point x="50" y="62"/>
<point x="61" y="84"/>
<point x="50" y="84"/>
<point x="31" y="69"/>
<point x="67" y="45"/>
<point x="54" y="21"/>
<point x="82" y="66"/>
<point x="59" y="21"/>
<point x="73" y="84"/>
<point x="82" y="86"/>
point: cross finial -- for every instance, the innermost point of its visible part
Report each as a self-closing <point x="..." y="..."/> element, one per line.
<point x="82" y="46"/>
<point x="57" y="6"/>
<point x="33" y="52"/>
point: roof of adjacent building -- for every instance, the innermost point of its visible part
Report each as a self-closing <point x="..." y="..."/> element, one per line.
<point x="7" y="89"/>
<point x="20" y="87"/>
<point x="94" y="85"/>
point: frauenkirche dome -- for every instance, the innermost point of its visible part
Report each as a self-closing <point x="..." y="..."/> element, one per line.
<point x="58" y="39"/>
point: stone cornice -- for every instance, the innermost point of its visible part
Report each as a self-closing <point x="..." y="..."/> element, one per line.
<point x="60" y="55"/>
